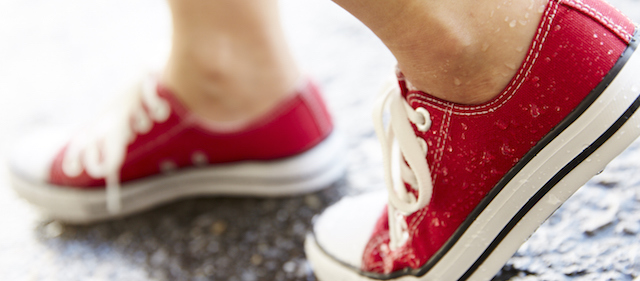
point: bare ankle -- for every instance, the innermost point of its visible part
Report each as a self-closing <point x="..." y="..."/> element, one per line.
<point x="229" y="59"/>
<point x="238" y="93"/>
<point x="463" y="51"/>
<point x="231" y="78"/>
<point x="479" y="66"/>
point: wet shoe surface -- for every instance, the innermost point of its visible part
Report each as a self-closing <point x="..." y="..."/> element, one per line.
<point x="495" y="171"/>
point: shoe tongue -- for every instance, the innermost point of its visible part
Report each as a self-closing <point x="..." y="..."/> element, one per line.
<point x="402" y="82"/>
<point x="406" y="87"/>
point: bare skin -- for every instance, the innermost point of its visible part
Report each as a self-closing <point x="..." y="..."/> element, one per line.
<point x="464" y="51"/>
<point x="230" y="61"/>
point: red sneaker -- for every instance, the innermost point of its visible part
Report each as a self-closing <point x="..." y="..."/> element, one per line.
<point x="493" y="172"/>
<point x="156" y="151"/>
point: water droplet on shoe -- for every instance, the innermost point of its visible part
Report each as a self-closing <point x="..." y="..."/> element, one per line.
<point x="519" y="48"/>
<point x="557" y="28"/>
<point x="501" y="124"/>
<point x="513" y="23"/>
<point x="506" y="150"/>
<point x="595" y="35"/>
<point x="535" y="111"/>
<point x="510" y="66"/>
<point x="554" y="200"/>
<point x="487" y="157"/>
<point x="470" y="168"/>
<point x="435" y="222"/>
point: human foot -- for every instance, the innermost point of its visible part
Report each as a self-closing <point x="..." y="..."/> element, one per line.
<point x="495" y="171"/>
<point x="152" y="150"/>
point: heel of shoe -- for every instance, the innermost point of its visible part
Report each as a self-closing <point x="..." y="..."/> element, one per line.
<point x="613" y="121"/>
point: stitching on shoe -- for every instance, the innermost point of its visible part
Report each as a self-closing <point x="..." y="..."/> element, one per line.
<point x="377" y="241"/>
<point x="444" y="130"/>
<point x="585" y="8"/>
<point x="528" y="64"/>
<point x="133" y="155"/>
<point x="519" y="79"/>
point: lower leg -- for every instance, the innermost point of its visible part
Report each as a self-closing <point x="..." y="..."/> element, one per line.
<point x="464" y="51"/>
<point x="229" y="60"/>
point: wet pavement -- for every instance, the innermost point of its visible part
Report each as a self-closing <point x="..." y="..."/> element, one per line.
<point x="61" y="60"/>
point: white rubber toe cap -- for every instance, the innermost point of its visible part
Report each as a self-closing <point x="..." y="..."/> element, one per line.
<point x="32" y="156"/>
<point x="344" y="229"/>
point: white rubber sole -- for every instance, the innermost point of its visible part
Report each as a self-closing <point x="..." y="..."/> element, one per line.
<point x="511" y="213"/>
<point x="310" y="171"/>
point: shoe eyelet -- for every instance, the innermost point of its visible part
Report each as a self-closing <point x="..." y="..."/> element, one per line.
<point x="426" y="124"/>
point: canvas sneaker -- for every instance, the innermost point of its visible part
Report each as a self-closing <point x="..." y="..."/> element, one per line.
<point x="151" y="149"/>
<point x="495" y="171"/>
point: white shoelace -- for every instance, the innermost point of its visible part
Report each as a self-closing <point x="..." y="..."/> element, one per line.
<point x="413" y="149"/>
<point x="101" y="149"/>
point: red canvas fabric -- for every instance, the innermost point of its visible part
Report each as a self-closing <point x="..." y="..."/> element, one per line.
<point x="470" y="148"/>
<point x="295" y="126"/>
